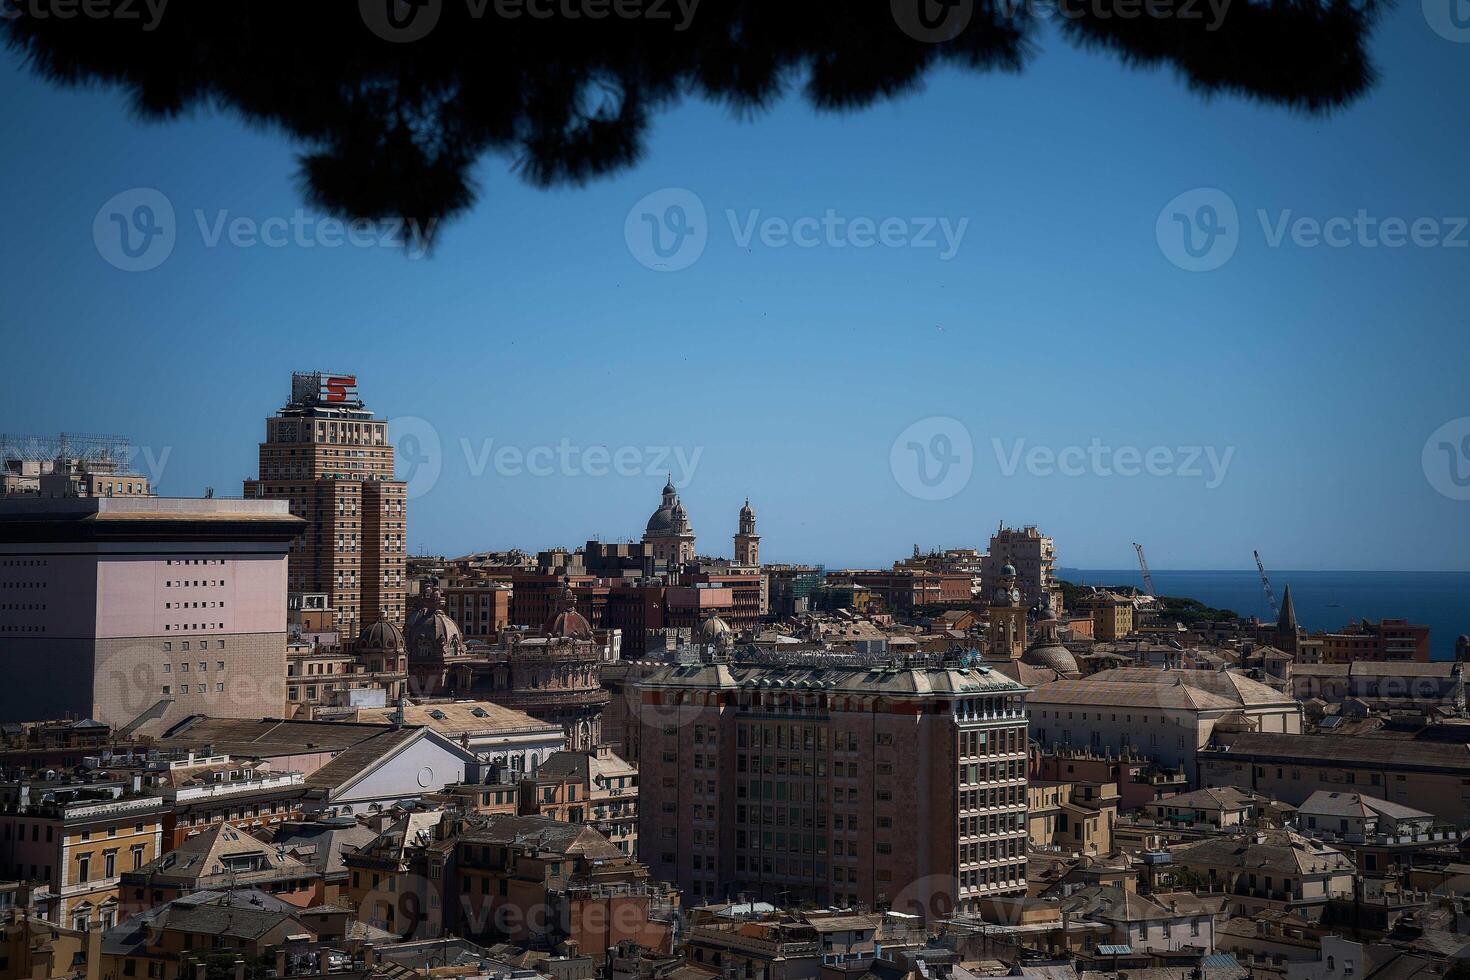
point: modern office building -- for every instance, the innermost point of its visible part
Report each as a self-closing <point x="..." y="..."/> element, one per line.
<point x="330" y="459"/>
<point x="141" y="611"/>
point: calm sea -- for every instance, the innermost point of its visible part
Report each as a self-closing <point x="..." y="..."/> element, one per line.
<point x="1323" y="600"/>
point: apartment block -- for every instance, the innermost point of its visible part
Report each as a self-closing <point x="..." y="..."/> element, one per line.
<point x="801" y="782"/>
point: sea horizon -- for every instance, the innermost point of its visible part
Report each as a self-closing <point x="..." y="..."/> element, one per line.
<point x="1324" y="600"/>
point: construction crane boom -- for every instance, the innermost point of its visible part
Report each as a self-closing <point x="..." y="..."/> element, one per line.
<point x="1266" y="584"/>
<point x="1148" y="580"/>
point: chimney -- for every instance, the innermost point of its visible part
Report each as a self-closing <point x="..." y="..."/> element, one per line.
<point x="94" y="950"/>
<point x="239" y="969"/>
<point x="369" y="956"/>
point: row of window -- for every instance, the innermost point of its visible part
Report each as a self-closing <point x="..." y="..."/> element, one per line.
<point x="168" y="646"/>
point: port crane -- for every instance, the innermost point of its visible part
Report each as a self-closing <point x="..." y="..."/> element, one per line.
<point x="1148" y="580"/>
<point x="1266" y="584"/>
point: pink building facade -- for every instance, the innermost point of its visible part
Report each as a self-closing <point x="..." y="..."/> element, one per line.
<point x="142" y="611"/>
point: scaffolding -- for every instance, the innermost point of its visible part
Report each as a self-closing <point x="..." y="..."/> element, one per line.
<point x="89" y="448"/>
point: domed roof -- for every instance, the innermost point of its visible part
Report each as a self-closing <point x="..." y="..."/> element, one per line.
<point x="746" y="511"/>
<point x="1053" y="656"/>
<point x="565" y="622"/>
<point x="568" y="624"/>
<point x="430" y="634"/>
<point x="662" y="521"/>
<point x="1008" y="570"/>
<point x="380" y="637"/>
<point x="713" y="628"/>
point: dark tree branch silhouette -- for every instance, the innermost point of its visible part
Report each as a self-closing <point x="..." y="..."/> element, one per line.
<point x="393" y="101"/>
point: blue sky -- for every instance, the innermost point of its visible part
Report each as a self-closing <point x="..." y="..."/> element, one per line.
<point x="1317" y="372"/>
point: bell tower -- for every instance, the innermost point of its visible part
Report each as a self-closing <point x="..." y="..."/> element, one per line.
<point x="1006" y="636"/>
<point x="747" y="542"/>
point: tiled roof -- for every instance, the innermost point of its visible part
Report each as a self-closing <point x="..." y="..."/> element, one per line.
<point x="543" y="834"/>
<point x="1228" y="684"/>
<point x="1271" y="850"/>
<point x="1406" y="753"/>
<point x="1334" y="804"/>
<point x="455" y="718"/>
<point x="1090" y="690"/>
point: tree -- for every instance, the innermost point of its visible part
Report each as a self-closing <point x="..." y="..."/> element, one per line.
<point x="393" y="101"/>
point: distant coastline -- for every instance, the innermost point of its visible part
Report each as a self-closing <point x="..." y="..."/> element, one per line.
<point x="1323" y="600"/>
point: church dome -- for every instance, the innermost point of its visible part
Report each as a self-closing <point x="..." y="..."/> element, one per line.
<point x="568" y="624"/>
<point x="662" y="521"/>
<point x="1053" y="656"/>
<point x="1008" y="570"/>
<point x="746" y="511"/>
<point x="380" y="637"/>
<point x="433" y="636"/>
<point x="712" y="629"/>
